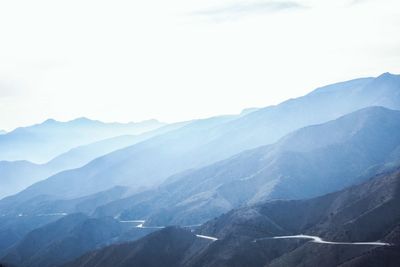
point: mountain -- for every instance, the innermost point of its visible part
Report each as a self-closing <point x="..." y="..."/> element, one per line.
<point x="41" y="142"/>
<point x="364" y="213"/>
<point x="353" y="130"/>
<point x="64" y="239"/>
<point x="164" y="248"/>
<point x="131" y="166"/>
<point x="14" y="228"/>
<point x="206" y="141"/>
<point x="42" y="210"/>
<point x="309" y="162"/>
<point x="45" y="204"/>
<point x="267" y="125"/>
<point x="17" y="175"/>
<point x="81" y="155"/>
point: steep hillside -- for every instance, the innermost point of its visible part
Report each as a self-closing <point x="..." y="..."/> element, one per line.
<point x="14" y="228"/>
<point x="364" y="213"/>
<point x="164" y="248"/>
<point x="19" y="218"/>
<point x="207" y="141"/>
<point x="65" y="239"/>
<point x="306" y="163"/>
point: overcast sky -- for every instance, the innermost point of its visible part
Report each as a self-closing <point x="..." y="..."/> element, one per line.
<point x="181" y="59"/>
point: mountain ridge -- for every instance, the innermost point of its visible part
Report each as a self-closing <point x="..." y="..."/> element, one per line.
<point x="211" y="140"/>
<point x="275" y="171"/>
<point x="28" y="143"/>
<point x="324" y="216"/>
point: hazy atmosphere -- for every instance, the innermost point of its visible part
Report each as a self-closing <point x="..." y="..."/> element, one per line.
<point x="199" y="133"/>
<point x="183" y="59"/>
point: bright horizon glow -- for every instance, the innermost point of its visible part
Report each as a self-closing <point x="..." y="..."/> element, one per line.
<point x="183" y="59"/>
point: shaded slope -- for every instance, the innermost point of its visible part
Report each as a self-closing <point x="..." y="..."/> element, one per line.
<point x="207" y="141"/>
<point x="63" y="240"/>
<point x="309" y="162"/>
<point x="337" y="217"/>
<point x="164" y="248"/>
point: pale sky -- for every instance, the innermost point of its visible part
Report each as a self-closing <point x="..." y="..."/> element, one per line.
<point x="182" y="59"/>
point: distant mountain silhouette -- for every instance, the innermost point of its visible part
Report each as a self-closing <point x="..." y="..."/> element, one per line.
<point x="17" y="175"/>
<point x="206" y="141"/>
<point x="41" y="142"/>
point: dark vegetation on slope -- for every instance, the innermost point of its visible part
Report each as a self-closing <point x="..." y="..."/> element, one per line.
<point x="367" y="212"/>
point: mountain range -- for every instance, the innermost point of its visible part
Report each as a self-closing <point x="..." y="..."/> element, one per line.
<point x="313" y="181"/>
<point x="42" y="142"/>
<point x="363" y="213"/>
<point x="306" y="163"/>
<point x="349" y="130"/>
<point x="17" y="175"/>
<point x="203" y="142"/>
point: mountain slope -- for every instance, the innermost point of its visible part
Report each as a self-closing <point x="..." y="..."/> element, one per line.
<point x="164" y="248"/>
<point x="306" y="163"/>
<point x="13" y="229"/>
<point x="63" y="240"/>
<point x="267" y="125"/>
<point x="45" y="204"/>
<point x="132" y="166"/>
<point x="339" y="216"/>
<point x="21" y="218"/>
<point x="17" y="175"/>
<point x="41" y="142"/>
<point x="207" y="141"/>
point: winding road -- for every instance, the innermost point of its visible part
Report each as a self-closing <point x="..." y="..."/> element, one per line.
<point x="207" y="237"/>
<point x="140" y="224"/>
<point x="319" y="240"/>
<point x="313" y="239"/>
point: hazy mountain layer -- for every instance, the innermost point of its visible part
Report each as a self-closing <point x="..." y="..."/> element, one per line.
<point x="42" y="142"/>
<point x="206" y="141"/>
<point x="17" y="175"/>
<point x="306" y="163"/>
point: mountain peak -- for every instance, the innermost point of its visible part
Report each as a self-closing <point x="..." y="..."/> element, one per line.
<point x="387" y="75"/>
<point x="49" y="121"/>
